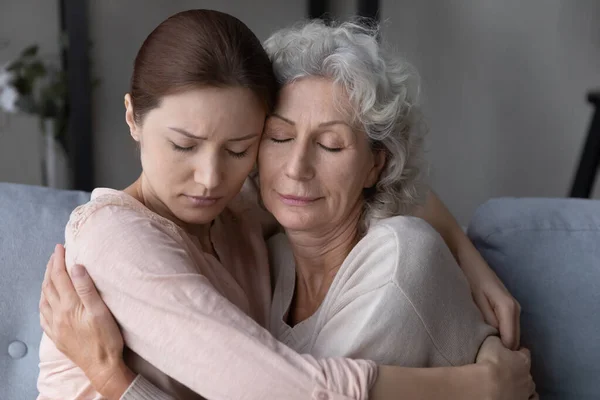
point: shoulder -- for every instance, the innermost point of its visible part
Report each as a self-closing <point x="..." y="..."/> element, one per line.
<point x="376" y="259"/>
<point x="412" y="237"/>
<point x="399" y="239"/>
<point x="425" y="269"/>
<point x="114" y="233"/>
<point x="402" y="228"/>
<point x="113" y="214"/>
<point x="412" y="249"/>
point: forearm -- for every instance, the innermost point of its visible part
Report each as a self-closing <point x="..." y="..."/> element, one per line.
<point x="441" y="219"/>
<point x="209" y="340"/>
<point x="113" y="380"/>
<point x="449" y="383"/>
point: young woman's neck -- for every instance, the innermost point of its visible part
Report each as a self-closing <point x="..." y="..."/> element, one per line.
<point x="142" y="191"/>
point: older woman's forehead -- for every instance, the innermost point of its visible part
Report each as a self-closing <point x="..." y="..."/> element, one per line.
<point x="318" y="96"/>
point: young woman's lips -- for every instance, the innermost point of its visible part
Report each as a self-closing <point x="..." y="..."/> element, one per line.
<point x="291" y="200"/>
<point x="201" y="201"/>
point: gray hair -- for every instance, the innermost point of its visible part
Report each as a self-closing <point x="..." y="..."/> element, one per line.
<point x="383" y="90"/>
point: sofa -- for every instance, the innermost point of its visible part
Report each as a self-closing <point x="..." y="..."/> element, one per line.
<point x="547" y="251"/>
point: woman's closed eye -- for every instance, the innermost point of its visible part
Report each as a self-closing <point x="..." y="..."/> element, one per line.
<point x="278" y="140"/>
<point x="331" y="143"/>
<point x="183" y="149"/>
<point x="236" y="154"/>
<point x="187" y="149"/>
<point x="332" y="149"/>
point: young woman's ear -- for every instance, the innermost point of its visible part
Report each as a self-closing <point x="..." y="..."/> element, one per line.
<point x="130" y="118"/>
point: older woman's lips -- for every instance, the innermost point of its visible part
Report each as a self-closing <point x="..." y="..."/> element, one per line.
<point x="296" y="200"/>
<point x="199" y="201"/>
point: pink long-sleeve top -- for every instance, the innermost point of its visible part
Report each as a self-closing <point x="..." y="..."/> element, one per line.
<point x="190" y="320"/>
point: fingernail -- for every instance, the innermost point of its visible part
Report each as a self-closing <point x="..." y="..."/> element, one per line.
<point x="78" y="271"/>
<point x="56" y="248"/>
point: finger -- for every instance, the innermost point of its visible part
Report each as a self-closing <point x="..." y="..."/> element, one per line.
<point x="87" y="292"/>
<point x="531" y="386"/>
<point x="49" y="267"/>
<point x="46" y="326"/>
<point x="60" y="277"/>
<point x="48" y="270"/>
<point x="486" y="309"/>
<point x="46" y="276"/>
<point x="508" y="327"/>
<point x="526" y="355"/>
<point x="50" y="293"/>
<point x="45" y="309"/>
<point x="517" y="322"/>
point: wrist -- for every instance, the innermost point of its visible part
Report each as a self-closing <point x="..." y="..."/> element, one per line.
<point x="483" y="380"/>
<point x="112" y="381"/>
<point x="474" y="381"/>
<point x="468" y="257"/>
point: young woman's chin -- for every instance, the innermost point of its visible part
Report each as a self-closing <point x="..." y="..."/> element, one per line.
<point x="200" y="214"/>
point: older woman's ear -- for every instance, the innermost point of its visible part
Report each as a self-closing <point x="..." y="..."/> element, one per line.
<point x="375" y="172"/>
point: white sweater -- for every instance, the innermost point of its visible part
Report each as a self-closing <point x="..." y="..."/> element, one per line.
<point x="399" y="298"/>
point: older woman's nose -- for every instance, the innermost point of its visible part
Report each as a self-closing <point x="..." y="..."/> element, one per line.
<point x="299" y="165"/>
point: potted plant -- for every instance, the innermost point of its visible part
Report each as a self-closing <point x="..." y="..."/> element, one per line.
<point x="35" y="85"/>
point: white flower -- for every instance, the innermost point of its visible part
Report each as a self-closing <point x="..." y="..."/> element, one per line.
<point x="8" y="94"/>
<point x="5" y="77"/>
<point x="8" y="99"/>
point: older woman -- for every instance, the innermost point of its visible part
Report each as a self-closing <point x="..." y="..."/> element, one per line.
<point x="337" y="161"/>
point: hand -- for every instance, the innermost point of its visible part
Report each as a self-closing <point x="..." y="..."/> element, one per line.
<point x="79" y="323"/>
<point x="499" y="308"/>
<point x="510" y="374"/>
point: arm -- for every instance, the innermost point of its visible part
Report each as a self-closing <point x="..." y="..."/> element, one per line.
<point x="498" y="307"/>
<point x="165" y="306"/>
<point x="410" y="305"/>
<point x="499" y="374"/>
<point x="85" y="323"/>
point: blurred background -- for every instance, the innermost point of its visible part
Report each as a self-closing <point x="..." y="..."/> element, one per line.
<point x="505" y="86"/>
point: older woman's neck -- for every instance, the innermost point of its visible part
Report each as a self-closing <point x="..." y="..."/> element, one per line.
<point x="319" y="255"/>
<point x="322" y="251"/>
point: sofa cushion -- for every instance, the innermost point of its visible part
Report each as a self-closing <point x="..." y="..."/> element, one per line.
<point x="547" y="252"/>
<point x="32" y="222"/>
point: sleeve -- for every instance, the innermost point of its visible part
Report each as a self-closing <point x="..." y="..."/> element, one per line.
<point x="175" y="319"/>
<point x="420" y="314"/>
<point x="431" y="279"/>
<point x="142" y="389"/>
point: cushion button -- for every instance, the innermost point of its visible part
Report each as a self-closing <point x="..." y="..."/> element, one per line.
<point x="17" y="349"/>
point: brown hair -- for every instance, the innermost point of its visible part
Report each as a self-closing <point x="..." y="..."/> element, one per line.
<point x="199" y="48"/>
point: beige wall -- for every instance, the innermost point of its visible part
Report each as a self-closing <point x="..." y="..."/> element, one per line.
<point x="504" y="84"/>
<point x="117" y="30"/>
<point x="23" y="23"/>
